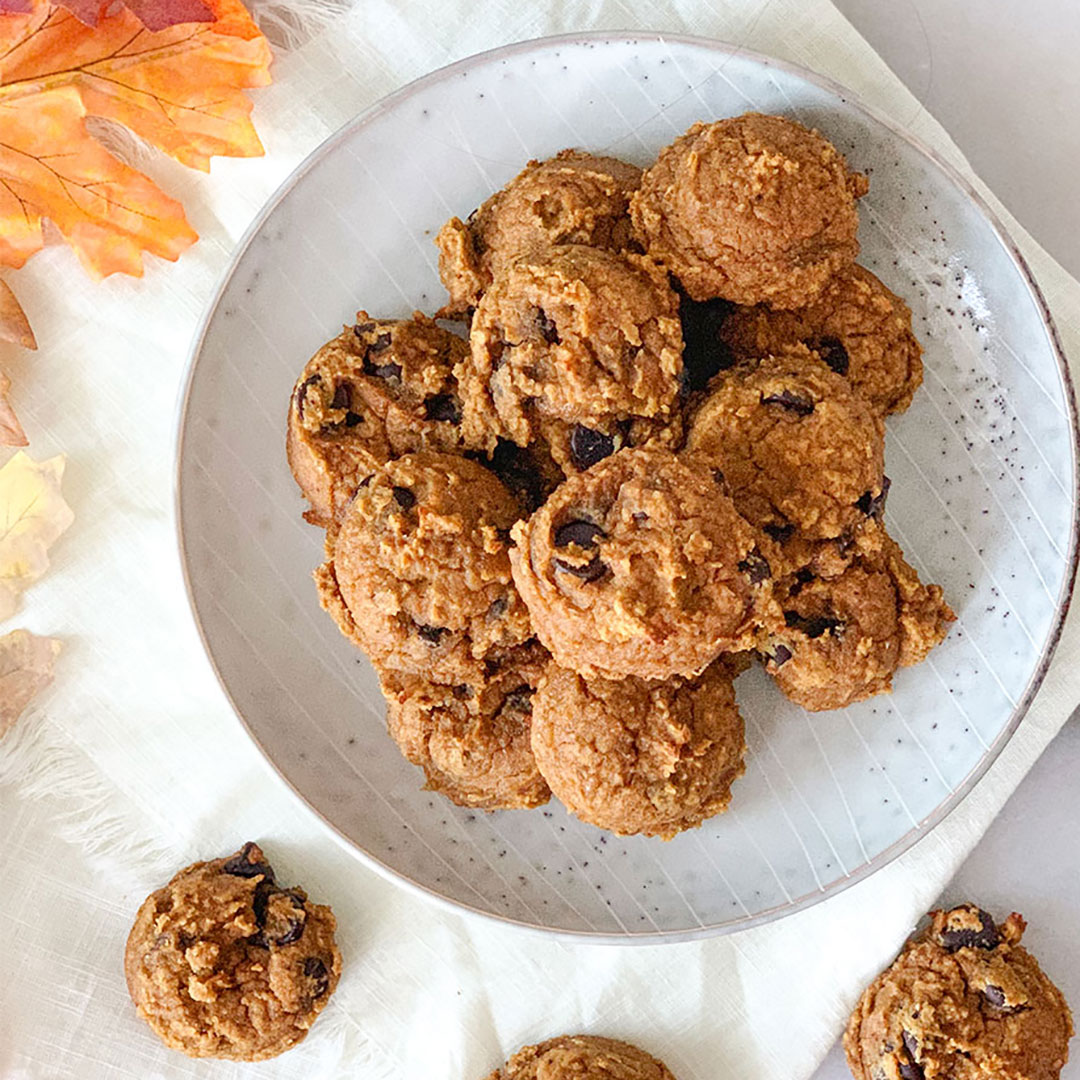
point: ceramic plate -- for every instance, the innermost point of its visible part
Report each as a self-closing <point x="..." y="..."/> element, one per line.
<point x="983" y="497"/>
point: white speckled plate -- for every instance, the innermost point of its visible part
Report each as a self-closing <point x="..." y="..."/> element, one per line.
<point x="983" y="498"/>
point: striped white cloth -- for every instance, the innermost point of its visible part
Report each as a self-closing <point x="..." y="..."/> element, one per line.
<point x="132" y="765"/>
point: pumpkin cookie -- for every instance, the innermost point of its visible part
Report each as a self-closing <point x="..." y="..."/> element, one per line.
<point x="964" y="1000"/>
<point x="642" y="566"/>
<point x="857" y="326"/>
<point x="845" y="636"/>
<point x="417" y="572"/>
<point x="795" y="444"/>
<point x="472" y="739"/>
<point x="223" y="962"/>
<point x="754" y="209"/>
<point x="571" y="334"/>
<point x="381" y="389"/>
<point x="582" y="1057"/>
<point x="635" y="756"/>
<point x="572" y="198"/>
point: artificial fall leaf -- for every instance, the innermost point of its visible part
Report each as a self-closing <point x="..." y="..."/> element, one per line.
<point x="153" y="14"/>
<point x="11" y="432"/>
<point x="14" y="325"/>
<point x="179" y="89"/>
<point x="26" y="668"/>
<point x="33" y="515"/>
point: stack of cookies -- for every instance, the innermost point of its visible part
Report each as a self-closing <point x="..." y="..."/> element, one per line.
<point x="658" y="454"/>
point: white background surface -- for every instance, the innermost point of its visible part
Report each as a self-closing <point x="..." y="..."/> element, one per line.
<point x="1000" y="77"/>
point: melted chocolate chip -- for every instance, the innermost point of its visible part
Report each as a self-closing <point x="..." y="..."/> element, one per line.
<point x="514" y="466"/>
<point x="832" y="351"/>
<point x="301" y="392"/>
<point x="381" y="343"/>
<point x="587" y="447"/>
<point x="986" y="937"/>
<point x="241" y="864"/>
<point x="404" y="497"/>
<point x="352" y="419"/>
<point x="342" y="398"/>
<point x="382" y="371"/>
<point x="780" y="533"/>
<point x="583" y="534"/>
<point x="756" y="567"/>
<point x="791" y="401"/>
<point x="874" y="505"/>
<point x="519" y="699"/>
<point x="432" y="634"/>
<point x="910" y="1070"/>
<point x="704" y="354"/>
<point x="277" y="926"/>
<point x="315" y="970"/>
<point x="442" y="407"/>
<point x="546" y="325"/>
<point x="813" y="627"/>
<point x="803" y="577"/>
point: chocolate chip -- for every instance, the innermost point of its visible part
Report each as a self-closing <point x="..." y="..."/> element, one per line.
<point x="718" y="476"/>
<point x="431" y="634"/>
<point x="781" y="655"/>
<point x="498" y="607"/>
<point x="498" y="353"/>
<point x="756" y="567"/>
<point x="803" y="577"/>
<point x="874" y="505"/>
<point x="639" y="516"/>
<point x="381" y="343"/>
<point x="587" y="447"/>
<point x="301" y="392"/>
<point x="911" y="1044"/>
<point x="519" y="699"/>
<point x="548" y="330"/>
<point x="515" y="467"/>
<point x="995" y="995"/>
<point x="277" y="926"/>
<point x="360" y="329"/>
<point x="704" y="354"/>
<point x="832" y="351"/>
<point x="910" y="1070"/>
<point x="315" y="969"/>
<point x="790" y="401"/>
<point x="352" y="419"/>
<point x="342" y="398"/>
<point x="462" y="692"/>
<point x="442" y="407"/>
<point x="986" y="937"/>
<point x="814" y="626"/>
<point x="583" y="534"/>
<point x="403" y="497"/>
<point x="383" y="371"/>
<point x="246" y="863"/>
<point x="780" y="533"/>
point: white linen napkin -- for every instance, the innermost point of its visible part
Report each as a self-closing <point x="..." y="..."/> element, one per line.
<point x="133" y="765"/>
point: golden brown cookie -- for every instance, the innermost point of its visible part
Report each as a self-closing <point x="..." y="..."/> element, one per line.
<point x="966" y="1001"/>
<point x="418" y="573"/>
<point x="642" y="566"/>
<point x="380" y="389"/>
<point x="222" y="962"/>
<point x="846" y="635"/>
<point x="582" y="1057"/>
<point x="857" y="326"/>
<point x="572" y="334"/>
<point x="795" y="444"/>
<point x="572" y="198"/>
<point x="472" y="739"/>
<point x="754" y="209"/>
<point x="637" y="756"/>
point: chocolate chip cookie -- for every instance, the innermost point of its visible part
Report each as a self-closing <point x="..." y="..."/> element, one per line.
<point x="795" y="444"/>
<point x="472" y="738"/>
<point x="582" y="1057"/>
<point x="754" y="209"/>
<point x="571" y="334"/>
<point x="638" y="756"/>
<point x="845" y="636"/>
<point x="573" y="198"/>
<point x="223" y="962"/>
<point x="418" y="573"/>
<point x="642" y="566"/>
<point x="857" y="326"/>
<point x="963" y="1000"/>
<point x="380" y="389"/>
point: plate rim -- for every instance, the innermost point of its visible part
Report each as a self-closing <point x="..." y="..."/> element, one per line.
<point x="910" y="838"/>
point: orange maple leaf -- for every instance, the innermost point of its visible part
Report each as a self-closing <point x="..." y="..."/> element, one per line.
<point x="180" y="89"/>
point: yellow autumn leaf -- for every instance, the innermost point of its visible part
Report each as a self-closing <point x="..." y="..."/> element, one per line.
<point x="11" y="432"/>
<point x="26" y="668"/>
<point x="33" y="514"/>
